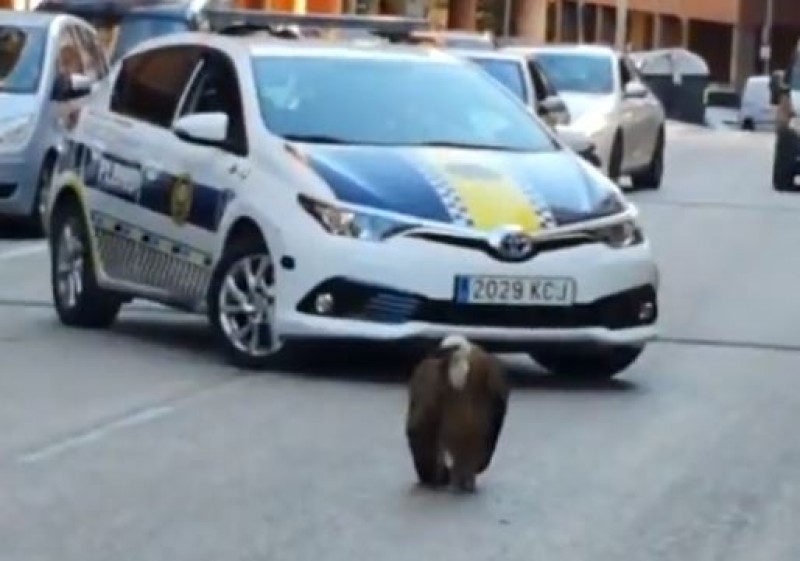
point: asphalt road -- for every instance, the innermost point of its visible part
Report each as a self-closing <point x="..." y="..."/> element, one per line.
<point x="139" y="444"/>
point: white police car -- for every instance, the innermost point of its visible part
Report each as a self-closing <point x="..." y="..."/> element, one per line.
<point x="302" y="190"/>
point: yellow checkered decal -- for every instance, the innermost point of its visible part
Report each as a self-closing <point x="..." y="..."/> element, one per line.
<point x="481" y="195"/>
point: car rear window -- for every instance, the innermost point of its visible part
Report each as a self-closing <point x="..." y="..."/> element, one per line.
<point x="134" y="30"/>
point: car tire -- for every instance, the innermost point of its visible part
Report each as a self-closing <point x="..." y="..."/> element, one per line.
<point x="78" y="299"/>
<point x="783" y="164"/>
<point x="615" y="157"/>
<point x="590" y="364"/>
<point x="252" y="315"/>
<point x="652" y="176"/>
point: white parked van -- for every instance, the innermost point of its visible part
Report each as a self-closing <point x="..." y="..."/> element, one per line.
<point x="756" y="111"/>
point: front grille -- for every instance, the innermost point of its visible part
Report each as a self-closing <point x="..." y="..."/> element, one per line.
<point x="386" y="307"/>
<point x="7" y="189"/>
<point x="477" y="244"/>
<point x="383" y="305"/>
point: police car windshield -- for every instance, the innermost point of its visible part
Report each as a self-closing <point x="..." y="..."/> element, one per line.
<point x="574" y="72"/>
<point x="21" y="58"/>
<point x="392" y="102"/>
<point x="507" y="72"/>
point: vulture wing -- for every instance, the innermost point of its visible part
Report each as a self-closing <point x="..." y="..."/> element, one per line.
<point x="497" y="406"/>
<point x="423" y="421"/>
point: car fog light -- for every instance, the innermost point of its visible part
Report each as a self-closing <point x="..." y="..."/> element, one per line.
<point x="647" y="311"/>
<point x="324" y="303"/>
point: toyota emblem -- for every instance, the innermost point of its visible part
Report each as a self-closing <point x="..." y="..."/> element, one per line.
<point x="512" y="244"/>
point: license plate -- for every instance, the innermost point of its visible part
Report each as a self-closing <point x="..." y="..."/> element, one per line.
<point x="519" y="291"/>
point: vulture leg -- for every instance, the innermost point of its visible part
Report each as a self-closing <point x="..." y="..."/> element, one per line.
<point x="423" y="424"/>
<point x="463" y="479"/>
<point x="423" y="442"/>
<point x="496" y="417"/>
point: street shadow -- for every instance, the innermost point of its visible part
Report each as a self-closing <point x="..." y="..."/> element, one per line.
<point x="166" y="328"/>
<point x="361" y="363"/>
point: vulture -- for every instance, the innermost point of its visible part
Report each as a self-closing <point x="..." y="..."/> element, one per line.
<point x="457" y="401"/>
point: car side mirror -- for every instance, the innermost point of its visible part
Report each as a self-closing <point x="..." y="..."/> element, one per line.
<point x="777" y="86"/>
<point x="553" y="110"/>
<point x="206" y="129"/>
<point x="635" y="90"/>
<point x="550" y="105"/>
<point x="71" y="86"/>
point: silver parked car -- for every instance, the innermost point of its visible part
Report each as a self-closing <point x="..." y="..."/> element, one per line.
<point x="48" y="66"/>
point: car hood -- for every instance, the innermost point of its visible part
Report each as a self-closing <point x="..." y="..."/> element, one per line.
<point x="485" y="189"/>
<point x="580" y="104"/>
<point x="16" y="105"/>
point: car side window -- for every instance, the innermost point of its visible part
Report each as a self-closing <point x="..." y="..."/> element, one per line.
<point x="69" y="58"/>
<point x="549" y="88"/>
<point x="91" y="52"/>
<point x="632" y="69"/>
<point x="625" y="75"/>
<point x="91" y="68"/>
<point x="149" y="84"/>
<point x="215" y="88"/>
<point x="538" y="83"/>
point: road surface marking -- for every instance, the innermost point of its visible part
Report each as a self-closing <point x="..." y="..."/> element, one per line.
<point x="98" y="433"/>
<point x="24" y="251"/>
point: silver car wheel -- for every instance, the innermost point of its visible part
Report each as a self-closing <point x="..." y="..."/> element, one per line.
<point x="69" y="266"/>
<point x="246" y="305"/>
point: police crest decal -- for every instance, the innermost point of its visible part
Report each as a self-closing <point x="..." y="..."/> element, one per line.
<point x="180" y="202"/>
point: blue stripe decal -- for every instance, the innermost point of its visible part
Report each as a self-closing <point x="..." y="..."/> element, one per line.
<point x="152" y="193"/>
<point x="377" y="177"/>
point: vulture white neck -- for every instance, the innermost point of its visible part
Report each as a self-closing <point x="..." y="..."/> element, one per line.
<point x="458" y="368"/>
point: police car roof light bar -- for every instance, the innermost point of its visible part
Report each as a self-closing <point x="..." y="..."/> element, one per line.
<point x="238" y="21"/>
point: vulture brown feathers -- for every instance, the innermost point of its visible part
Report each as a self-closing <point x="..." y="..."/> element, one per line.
<point x="457" y="402"/>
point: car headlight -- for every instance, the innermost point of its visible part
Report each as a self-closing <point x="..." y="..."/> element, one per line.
<point x="620" y="235"/>
<point x="352" y="224"/>
<point x="15" y="131"/>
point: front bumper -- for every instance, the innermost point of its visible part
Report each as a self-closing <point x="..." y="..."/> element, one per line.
<point x="404" y="289"/>
<point x="19" y="178"/>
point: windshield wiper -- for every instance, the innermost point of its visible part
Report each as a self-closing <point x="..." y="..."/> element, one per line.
<point x="318" y="138"/>
<point x="451" y="144"/>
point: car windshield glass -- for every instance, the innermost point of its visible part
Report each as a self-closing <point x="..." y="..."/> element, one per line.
<point x="134" y="30"/>
<point x="392" y="102"/>
<point x="507" y="72"/>
<point x="21" y="58"/>
<point x="573" y="72"/>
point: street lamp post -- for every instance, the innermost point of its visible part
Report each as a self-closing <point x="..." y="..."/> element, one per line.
<point x="507" y="19"/>
<point x="766" y="36"/>
<point x="621" y="34"/>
